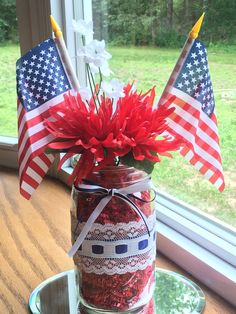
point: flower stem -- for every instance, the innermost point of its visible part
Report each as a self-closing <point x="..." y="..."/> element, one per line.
<point x="90" y="85"/>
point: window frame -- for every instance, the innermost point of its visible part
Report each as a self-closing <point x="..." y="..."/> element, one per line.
<point x="197" y="242"/>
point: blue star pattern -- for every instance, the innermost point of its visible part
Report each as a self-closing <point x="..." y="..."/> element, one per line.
<point x="40" y="75"/>
<point x="194" y="78"/>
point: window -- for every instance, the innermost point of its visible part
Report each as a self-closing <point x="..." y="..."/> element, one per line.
<point x="197" y="242"/>
<point x="10" y="52"/>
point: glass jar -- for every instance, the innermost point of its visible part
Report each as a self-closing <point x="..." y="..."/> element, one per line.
<point x="116" y="261"/>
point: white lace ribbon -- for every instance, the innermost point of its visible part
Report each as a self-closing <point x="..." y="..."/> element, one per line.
<point x="121" y="193"/>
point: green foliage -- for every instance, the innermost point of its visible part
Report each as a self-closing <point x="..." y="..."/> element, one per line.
<point x="163" y="23"/>
<point x="8" y="22"/>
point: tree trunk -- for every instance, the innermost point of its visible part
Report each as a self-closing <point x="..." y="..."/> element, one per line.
<point x="169" y="9"/>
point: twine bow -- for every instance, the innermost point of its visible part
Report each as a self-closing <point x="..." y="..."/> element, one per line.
<point x="107" y="194"/>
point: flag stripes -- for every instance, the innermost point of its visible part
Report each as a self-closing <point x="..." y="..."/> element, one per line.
<point x="193" y="118"/>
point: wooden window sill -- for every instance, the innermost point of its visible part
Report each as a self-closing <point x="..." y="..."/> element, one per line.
<point x="35" y="236"/>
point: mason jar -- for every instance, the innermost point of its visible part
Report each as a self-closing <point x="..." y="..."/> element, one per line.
<point x="116" y="261"/>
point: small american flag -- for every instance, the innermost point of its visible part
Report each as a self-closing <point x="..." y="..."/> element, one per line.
<point x="41" y="83"/>
<point x="194" y="118"/>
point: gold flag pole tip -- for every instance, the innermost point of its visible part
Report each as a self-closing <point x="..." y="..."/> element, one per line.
<point x="196" y="28"/>
<point x="55" y="27"/>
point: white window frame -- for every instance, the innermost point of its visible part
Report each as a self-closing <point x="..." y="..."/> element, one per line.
<point x="200" y="244"/>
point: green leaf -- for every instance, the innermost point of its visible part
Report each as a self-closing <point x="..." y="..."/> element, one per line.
<point x="145" y="165"/>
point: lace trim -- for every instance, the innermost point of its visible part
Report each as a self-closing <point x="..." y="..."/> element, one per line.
<point x="119" y="231"/>
<point x="113" y="266"/>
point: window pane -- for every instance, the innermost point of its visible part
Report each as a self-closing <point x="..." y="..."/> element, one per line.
<point x="9" y="52"/>
<point x="145" y="39"/>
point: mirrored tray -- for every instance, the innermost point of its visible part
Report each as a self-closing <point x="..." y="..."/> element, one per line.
<point x="174" y="294"/>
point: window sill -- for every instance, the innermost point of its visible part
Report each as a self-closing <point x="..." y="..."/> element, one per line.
<point x="185" y="236"/>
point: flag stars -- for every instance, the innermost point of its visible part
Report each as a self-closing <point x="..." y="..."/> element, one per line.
<point x="200" y="52"/>
<point x="191" y="72"/>
<point x="202" y="85"/>
<point x="184" y="75"/>
<point x="180" y="85"/>
<point x="196" y="62"/>
<point x="198" y="45"/>
<point x="203" y="60"/>
<point x="186" y="83"/>
<point x="40" y="77"/>
<point x="193" y="55"/>
<point x="189" y="65"/>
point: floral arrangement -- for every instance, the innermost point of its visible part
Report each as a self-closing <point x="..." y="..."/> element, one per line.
<point x="108" y="121"/>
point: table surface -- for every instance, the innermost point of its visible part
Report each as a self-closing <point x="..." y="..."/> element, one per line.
<point x="34" y="239"/>
<point x="173" y="293"/>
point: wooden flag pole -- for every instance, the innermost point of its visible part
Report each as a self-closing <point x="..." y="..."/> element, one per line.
<point x="64" y="54"/>
<point x="187" y="46"/>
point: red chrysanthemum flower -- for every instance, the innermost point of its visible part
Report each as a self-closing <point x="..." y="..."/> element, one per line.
<point x="101" y="135"/>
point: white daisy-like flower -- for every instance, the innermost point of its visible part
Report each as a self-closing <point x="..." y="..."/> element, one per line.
<point x="82" y="27"/>
<point x="113" y="89"/>
<point x="96" y="56"/>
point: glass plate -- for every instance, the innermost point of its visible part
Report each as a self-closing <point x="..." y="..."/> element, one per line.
<point x="174" y="294"/>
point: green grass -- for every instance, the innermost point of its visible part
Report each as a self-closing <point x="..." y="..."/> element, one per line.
<point x="148" y="67"/>
<point x="8" y="120"/>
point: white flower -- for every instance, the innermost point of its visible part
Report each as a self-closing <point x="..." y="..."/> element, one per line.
<point x="113" y="89"/>
<point x="82" y="27"/>
<point x="105" y="70"/>
<point x="85" y="93"/>
<point x="96" y="56"/>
